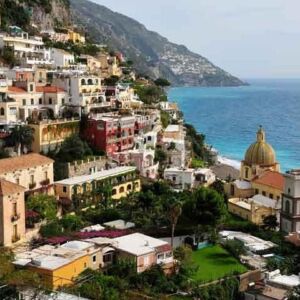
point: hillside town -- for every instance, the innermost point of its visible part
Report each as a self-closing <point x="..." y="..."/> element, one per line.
<point x="106" y="192"/>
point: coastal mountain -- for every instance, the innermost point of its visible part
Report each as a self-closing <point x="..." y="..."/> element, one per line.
<point x="151" y="53"/>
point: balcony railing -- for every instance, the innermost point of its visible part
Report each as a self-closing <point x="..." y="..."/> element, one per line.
<point x="15" y="217"/>
<point x="45" y="182"/>
<point x="32" y="185"/>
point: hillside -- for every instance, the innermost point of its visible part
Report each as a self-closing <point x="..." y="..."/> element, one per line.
<point x="153" y="54"/>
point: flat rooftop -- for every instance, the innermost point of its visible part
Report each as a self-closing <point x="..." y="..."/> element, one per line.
<point x="138" y="244"/>
<point x="96" y="176"/>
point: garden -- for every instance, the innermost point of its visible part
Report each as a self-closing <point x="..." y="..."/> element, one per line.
<point x="214" y="262"/>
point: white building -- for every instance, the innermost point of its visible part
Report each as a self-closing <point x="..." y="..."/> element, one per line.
<point x="62" y="58"/>
<point x="180" y="178"/>
<point x="28" y="50"/>
<point x="205" y="176"/>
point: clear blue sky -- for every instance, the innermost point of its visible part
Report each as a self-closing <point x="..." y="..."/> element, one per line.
<point x="249" y="38"/>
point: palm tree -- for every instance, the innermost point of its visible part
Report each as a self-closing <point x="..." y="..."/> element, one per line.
<point x="22" y="136"/>
<point x="175" y="211"/>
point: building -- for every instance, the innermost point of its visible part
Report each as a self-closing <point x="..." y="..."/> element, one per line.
<point x="85" y="92"/>
<point x="290" y="210"/>
<point x="259" y="157"/>
<point x="27" y="50"/>
<point x="146" y="251"/>
<point x="123" y="181"/>
<point x="253" y="209"/>
<point x="12" y="213"/>
<point x="180" y="178"/>
<point x="50" y="134"/>
<point x="259" y="173"/>
<point x="62" y="58"/>
<point x="32" y="171"/>
<point x="110" y="133"/>
<point x="205" y="176"/>
<point x="59" y="266"/>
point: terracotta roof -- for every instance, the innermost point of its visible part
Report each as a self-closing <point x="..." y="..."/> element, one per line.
<point x="14" y="89"/>
<point x="23" y="162"/>
<point x="8" y="188"/>
<point x="271" y="178"/>
<point x="49" y="89"/>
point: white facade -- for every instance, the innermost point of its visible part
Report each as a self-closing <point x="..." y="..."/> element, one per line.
<point x="180" y="178"/>
<point x="62" y="58"/>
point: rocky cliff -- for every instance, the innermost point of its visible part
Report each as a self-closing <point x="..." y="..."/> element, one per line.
<point x="153" y="54"/>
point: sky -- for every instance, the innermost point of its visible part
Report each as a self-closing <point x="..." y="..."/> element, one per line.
<point x="248" y="38"/>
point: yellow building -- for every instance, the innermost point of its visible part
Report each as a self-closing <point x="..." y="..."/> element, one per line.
<point x="253" y="209"/>
<point x="259" y="173"/>
<point x="76" y="37"/>
<point x="122" y="180"/>
<point x="12" y="213"/>
<point x="56" y="267"/>
<point x="50" y="134"/>
<point x="259" y="157"/>
<point x="32" y="171"/>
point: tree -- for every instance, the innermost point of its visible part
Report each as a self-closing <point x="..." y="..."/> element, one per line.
<point x="270" y="222"/>
<point x="174" y="212"/>
<point x="235" y="247"/>
<point x="43" y="204"/>
<point x="73" y="148"/>
<point x="22" y="136"/>
<point x="162" y="82"/>
<point x="206" y="207"/>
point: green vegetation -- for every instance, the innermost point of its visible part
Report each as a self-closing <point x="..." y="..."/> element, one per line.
<point x="214" y="263"/>
<point x="44" y="205"/>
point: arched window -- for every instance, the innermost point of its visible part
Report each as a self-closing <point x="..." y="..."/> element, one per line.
<point x="82" y="81"/>
<point x="121" y="190"/>
<point x="287" y="206"/>
<point x="2" y="111"/>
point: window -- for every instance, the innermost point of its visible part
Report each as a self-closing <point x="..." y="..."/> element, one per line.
<point x="14" y="209"/>
<point x="246" y="173"/>
<point x="32" y="101"/>
<point x="24" y="101"/>
<point x="64" y="189"/>
<point x="40" y="101"/>
<point x="287" y="206"/>
<point x="94" y="258"/>
<point x="2" y="111"/>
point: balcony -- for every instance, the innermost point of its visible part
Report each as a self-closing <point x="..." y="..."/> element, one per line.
<point x="45" y="182"/>
<point x="15" y="238"/>
<point x="32" y="185"/>
<point x="15" y="217"/>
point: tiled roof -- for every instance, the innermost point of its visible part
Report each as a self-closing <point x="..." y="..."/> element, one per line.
<point x="14" y="89"/>
<point x="272" y="179"/>
<point x="23" y="162"/>
<point x="8" y="188"/>
<point x="49" y="89"/>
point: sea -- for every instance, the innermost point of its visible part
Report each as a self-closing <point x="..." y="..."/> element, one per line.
<point x="230" y="116"/>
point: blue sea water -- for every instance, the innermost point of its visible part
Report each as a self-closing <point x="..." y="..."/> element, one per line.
<point x="229" y="117"/>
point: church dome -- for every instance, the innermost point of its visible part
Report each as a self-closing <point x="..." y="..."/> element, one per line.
<point x="260" y="153"/>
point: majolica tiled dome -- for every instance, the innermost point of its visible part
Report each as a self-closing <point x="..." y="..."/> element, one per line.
<point x="260" y="152"/>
